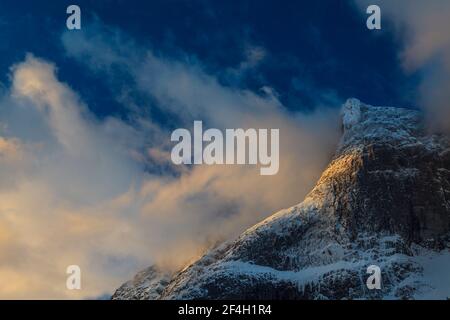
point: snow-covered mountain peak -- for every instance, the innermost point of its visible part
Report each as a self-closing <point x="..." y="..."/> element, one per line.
<point x="382" y="200"/>
<point x="351" y="112"/>
<point x="364" y="124"/>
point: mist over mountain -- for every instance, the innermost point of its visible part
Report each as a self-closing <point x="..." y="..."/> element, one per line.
<point x="91" y="93"/>
<point x="383" y="200"/>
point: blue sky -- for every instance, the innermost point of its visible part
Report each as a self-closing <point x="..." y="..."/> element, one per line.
<point x="309" y="47"/>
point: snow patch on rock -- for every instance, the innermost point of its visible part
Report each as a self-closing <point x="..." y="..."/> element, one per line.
<point x="351" y="113"/>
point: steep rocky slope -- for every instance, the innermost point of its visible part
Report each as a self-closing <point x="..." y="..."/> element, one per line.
<point x="383" y="200"/>
<point x="148" y="284"/>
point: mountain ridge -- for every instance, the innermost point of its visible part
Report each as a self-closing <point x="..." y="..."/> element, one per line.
<point x="381" y="201"/>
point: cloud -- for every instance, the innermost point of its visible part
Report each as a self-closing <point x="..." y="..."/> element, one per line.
<point x="422" y="27"/>
<point x="59" y="206"/>
<point x="88" y="192"/>
<point x="10" y="150"/>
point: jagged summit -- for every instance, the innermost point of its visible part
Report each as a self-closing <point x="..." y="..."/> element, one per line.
<point x="381" y="201"/>
<point x="368" y="124"/>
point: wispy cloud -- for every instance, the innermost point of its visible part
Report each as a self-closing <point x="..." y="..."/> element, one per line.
<point x="423" y="28"/>
<point x="84" y="193"/>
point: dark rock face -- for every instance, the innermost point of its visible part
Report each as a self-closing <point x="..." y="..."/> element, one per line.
<point x="383" y="200"/>
<point x="407" y="196"/>
<point x="396" y="178"/>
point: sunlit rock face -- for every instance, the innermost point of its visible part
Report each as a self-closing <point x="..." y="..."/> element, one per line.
<point x="383" y="200"/>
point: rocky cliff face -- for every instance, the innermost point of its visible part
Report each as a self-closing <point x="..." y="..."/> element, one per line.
<point x="383" y="200"/>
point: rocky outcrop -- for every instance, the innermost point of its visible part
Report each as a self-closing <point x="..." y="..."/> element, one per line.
<point x="392" y="175"/>
<point x="383" y="200"/>
<point x="148" y="284"/>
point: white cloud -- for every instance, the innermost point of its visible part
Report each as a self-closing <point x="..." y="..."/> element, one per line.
<point x="83" y="196"/>
<point x="422" y="27"/>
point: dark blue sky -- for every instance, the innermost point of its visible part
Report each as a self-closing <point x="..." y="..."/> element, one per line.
<point x="312" y="47"/>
